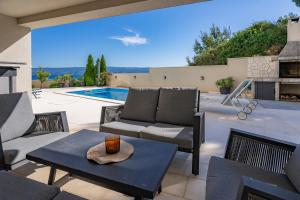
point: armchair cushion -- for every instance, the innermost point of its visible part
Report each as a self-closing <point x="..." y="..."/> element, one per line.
<point x="180" y="135"/>
<point x="141" y="105"/>
<point x="293" y="167"/>
<point x="222" y="171"/>
<point x="177" y="106"/>
<point x="16" y="117"/>
<point x="16" y="150"/>
<point x="19" y="188"/>
<point x="124" y="127"/>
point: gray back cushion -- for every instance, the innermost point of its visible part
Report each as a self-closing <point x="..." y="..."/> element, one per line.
<point x="16" y="115"/>
<point x="141" y="105"/>
<point x="293" y="168"/>
<point x="177" y="106"/>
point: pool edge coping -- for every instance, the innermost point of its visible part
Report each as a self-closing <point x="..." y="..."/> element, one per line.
<point x="90" y="97"/>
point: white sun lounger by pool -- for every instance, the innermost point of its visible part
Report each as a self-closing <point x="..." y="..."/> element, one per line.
<point x="233" y="99"/>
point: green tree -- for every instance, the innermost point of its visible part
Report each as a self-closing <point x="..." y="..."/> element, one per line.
<point x="89" y="74"/>
<point x="42" y="75"/>
<point x="297" y="2"/>
<point x="96" y="67"/>
<point x="261" y="38"/>
<point x="209" y="41"/>
<point x="67" y="78"/>
<point x="102" y="64"/>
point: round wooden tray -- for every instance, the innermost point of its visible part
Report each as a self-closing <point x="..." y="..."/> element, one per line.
<point x="98" y="153"/>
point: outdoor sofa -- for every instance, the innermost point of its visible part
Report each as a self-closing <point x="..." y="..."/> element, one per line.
<point x="22" y="131"/>
<point x="14" y="187"/>
<point x="255" y="168"/>
<point x="166" y="114"/>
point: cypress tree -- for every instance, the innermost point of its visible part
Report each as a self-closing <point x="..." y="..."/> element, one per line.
<point x="96" y="68"/>
<point x="89" y="74"/>
<point x="102" y="64"/>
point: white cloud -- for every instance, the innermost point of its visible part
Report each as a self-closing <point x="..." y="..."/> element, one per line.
<point x="128" y="40"/>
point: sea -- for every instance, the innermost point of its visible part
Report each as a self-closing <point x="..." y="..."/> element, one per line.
<point x="78" y="72"/>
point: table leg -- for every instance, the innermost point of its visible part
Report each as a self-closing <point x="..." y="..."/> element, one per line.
<point x="159" y="189"/>
<point x="52" y="176"/>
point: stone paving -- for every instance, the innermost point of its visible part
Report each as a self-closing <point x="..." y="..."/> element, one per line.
<point x="179" y="183"/>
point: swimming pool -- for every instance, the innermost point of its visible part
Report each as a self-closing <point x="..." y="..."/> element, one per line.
<point x="119" y="94"/>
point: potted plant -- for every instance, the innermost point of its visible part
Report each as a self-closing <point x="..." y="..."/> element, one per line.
<point x="225" y="85"/>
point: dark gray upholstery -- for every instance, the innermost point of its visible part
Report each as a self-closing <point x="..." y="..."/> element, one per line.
<point x="178" y="119"/>
<point x="141" y="105"/>
<point x="293" y="168"/>
<point x="18" y="113"/>
<point x="177" y="106"/>
<point x="16" y="150"/>
<point x="18" y="188"/>
<point x="124" y="127"/>
<point x="67" y="196"/>
<point x="224" y="177"/>
<point x="180" y="135"/>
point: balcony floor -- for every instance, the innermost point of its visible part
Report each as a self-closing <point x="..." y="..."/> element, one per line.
<point x="179" y="183"/>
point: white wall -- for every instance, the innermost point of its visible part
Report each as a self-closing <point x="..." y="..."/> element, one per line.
<point x="15" y="46"/>
<point x="185" y="76"/>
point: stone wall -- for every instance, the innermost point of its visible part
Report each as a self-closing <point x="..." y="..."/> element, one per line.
<point x="260" y="67"/>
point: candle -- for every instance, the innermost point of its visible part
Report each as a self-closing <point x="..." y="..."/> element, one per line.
<point x="112" y="144"/>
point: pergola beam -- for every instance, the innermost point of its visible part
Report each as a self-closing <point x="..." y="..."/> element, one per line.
<point x="94" y="10"/>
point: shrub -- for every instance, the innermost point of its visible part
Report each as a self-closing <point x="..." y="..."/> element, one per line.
<point x="225" y="82"/>
<point x="54" y="85"/>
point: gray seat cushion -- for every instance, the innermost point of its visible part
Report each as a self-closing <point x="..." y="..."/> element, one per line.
<point x="18" y="188"/>
<point x="16" y="150"/>
<point x="16" y="117"/>
<point x="180" y="135"/>
<point x="124" y="127"/>
<point x="221" y="172"/>
<point x="177" y="106"/>
<point x="293" y="167"/>
<point x="67" y="196"/>
<point x="141" y="105"/>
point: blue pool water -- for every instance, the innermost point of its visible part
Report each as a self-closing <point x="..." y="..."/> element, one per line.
<point x="119" y="94"/>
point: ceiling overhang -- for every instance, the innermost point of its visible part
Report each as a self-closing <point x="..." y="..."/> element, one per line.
<point x="95" y="10"/>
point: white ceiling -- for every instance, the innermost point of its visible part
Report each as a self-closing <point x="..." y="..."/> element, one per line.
<point x="21" y="8"/>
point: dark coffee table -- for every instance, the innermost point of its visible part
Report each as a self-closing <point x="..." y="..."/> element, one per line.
<point x="140" y="176"/>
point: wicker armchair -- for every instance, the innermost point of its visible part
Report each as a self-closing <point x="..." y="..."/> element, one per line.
<point x="255" y="167"/>
<point x="40" y="130"/>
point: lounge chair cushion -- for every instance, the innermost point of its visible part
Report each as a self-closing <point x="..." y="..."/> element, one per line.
<point x="177" y="106"/>
<point x="141" y="105"/>
<point x="124" y="127"/>
<point x="16" y="150"/>
<point x="18" y="188"/>
<point x="180" y="135"/>
<point x="224" y="177"/>
<point x="292" y="168"/>
<point x="16" y="117"/>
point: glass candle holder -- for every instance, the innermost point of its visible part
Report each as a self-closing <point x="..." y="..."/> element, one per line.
<point x="112" y="144"/>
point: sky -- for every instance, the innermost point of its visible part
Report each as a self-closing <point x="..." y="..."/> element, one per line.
<point x="158" y="38"/>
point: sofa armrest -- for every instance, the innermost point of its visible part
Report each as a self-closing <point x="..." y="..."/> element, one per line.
<point x="259" y="151"/>
<point x="110" y="113"/>
<point x="50" y="122"/>
<point x="199" y="129"/>
<point x="258" y="190"/>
